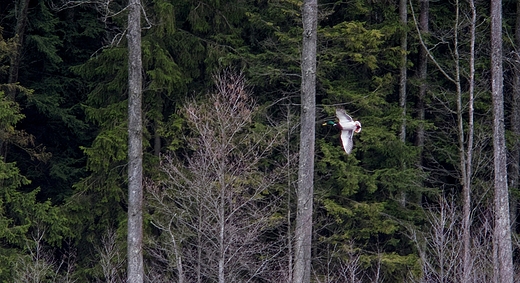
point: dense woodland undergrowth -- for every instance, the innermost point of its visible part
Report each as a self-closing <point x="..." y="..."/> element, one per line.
<point x="221" y="146"/>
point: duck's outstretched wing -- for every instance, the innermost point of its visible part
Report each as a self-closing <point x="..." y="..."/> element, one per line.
<point x="346" y="140"/>
<point x="343" y="117"/>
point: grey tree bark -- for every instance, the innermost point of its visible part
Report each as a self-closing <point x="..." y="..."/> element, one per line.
<point x="135" y="270"/>
<point x="466" y="190"/>
<point x="305" y="190"/>
<point x="423" y="70"/>
<point x="403" y="18"/>
<point x="502" y="249"/>
<point x="514" y="174"/>
<point x="403" y="77"/>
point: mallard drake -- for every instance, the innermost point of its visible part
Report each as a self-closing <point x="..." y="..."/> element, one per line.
<point x="347" y="126"/>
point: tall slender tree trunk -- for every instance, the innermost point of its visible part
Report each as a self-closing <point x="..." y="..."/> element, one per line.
<point x="466" y="190"/>
<point x="289" y="242"/>
<point x="503" y="267"/>
<point x="465" y="163"/>
<point x="135" y="146"/>
<point x="423" y="72"/>
<point x="304" y="193"/>
<point x="403" y="17"/>
<point x="22" y="8"/>
<point x="222" y="229"/>
<point x="514" y="174"/>
<point x="200" y="247"/>
<point x="156" y="139"/>
<point x="19" y="30"/>
<point x="177" y="250"/>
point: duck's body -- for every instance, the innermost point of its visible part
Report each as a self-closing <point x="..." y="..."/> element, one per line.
<point x="348" y="127"/>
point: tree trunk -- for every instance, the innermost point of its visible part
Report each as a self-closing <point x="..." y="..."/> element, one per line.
<point x="19" y="30"/>
<point x="135" y="146"/>
<point x="289" y="241"/>
<point x="178" y="259"/>
<point x="466" y="190"/>
<point x="514" y="174"/>
<point x="465" y="163"/>
<point x="403" y="17"/>
<point x="503" y="267"/>
<point x="423" y="72"/>
<point x="156" y="139"/>
<point x="198" y="268"/>
<point x="222" y="228"/>
<point x="304" y="192"/>
<point x="14" y="65"/>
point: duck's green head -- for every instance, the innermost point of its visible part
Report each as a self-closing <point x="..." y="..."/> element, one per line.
<point x="332" y="123"/>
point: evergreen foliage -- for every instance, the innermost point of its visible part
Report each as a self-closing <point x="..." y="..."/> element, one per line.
<point x="63" y="136"/>
<point x="24" y="221"/>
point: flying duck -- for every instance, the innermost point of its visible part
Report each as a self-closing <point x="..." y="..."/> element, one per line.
<point x="347" y="126"/>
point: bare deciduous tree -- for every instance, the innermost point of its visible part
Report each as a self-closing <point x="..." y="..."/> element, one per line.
<point x="111" y="259"/>
<point x="441" y="247"/>
<point x="215" y="209"/>
<point x="41" y="265"/>
<point x="343" y="264"/>
<point x="464" y="128"/>
<point x="38" y="266"/>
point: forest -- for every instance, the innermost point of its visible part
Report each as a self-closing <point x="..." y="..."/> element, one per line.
<point x="429" y="193"/>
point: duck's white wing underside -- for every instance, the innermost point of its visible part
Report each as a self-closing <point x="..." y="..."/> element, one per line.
<point x="343" y="117"/>
<point x="346" y="140"/>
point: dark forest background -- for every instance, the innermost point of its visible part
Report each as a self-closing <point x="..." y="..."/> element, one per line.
<point x="392" y="211"/>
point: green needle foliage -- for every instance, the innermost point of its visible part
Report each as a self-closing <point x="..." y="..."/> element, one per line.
<point x="63" y="133"/>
